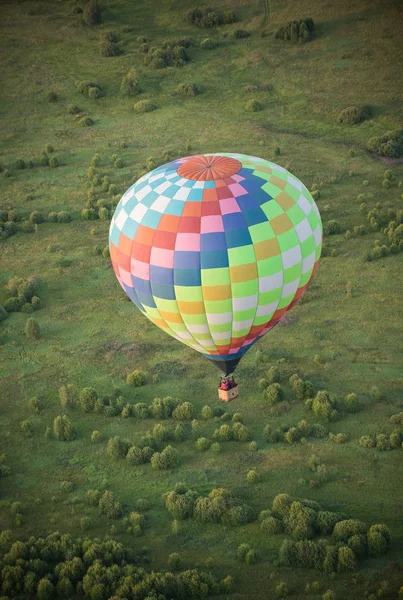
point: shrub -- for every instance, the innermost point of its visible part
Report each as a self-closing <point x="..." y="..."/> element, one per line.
<point x="13" y="305"/>
<point x="223" y="434"/>
<point x="72" y="109"/>
<point x="53" y="162"/>
<point x="92" y="13"/>
<point x="36" y="217"/>
<point x="86" y="122"/>
<point x="130" y="85"/>
<point x="63" y="428"/>
<point x="107" y="48"/>
<point x="203" y="444"/>
<point x="252" y="477"/>
<point x="282" y="590"/>
<point x="136" y="378"/>
<point x="378" y="540"/>
<point x="343" y="530"/>
<point x="332" y="227"/>
<point x="390" y="144"/>
<point x="303" y="389"/>
<point x="351" y="403"/>
<point x="382" y="442"/>
<point x="118" y="164"/>
<point x="253" y="105"/>
<point x="240" y="33"/>
<point x="216" y="448"/>
<point x="94" y="93"/>
<point x="51" y="97"/>
<point x="63" y="217"/>
<point x="87" y="398"/>
<point x="208" y="44"/>
<point x="346" y="560"/>
<point x="367" y="441"/>
<point x="144" y="106"/>
<point x="32" y="330"/>
<point x="274" y="393"/>
<point x="323" y="405"/>
<point x="183" y="412"/>
<point x="297" y="31"/>
<point x="174" y="561"/>
<point x="167" y="459"/>
<point x="352" y="115"/>
<point x="20" y="164"/>
<point x="96" y="436"/>
<point x="240" y="432"/>
<point x="207" y="412"/>
<point x="397" y="419"/>
<point x="109" y="507"/>
<point x="116" y="448"/>
<point x="3" y="313"/>
<point x="187" y="89"/>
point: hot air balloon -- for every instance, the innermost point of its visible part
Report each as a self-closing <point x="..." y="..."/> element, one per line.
<point x="215" y="249"/>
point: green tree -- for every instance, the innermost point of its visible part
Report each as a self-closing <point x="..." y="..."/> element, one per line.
<point x="130" y="85"/>
<point x="63" y="428"/>
<point x="174" y="561"/>
<point x="274" y="393"/>
<point x="207" y="412"/>
<point x="110" y="507"/>
<point x="167" y="459"/>
<point x="203" y="444"/>
<point x="183" y="412"/>
<point x="136" y="378"/>
<point x="88" y="397"/>
<point x="67" y="396"/>
<point x="116" y="448"/>
<point x="346" y="560"/>
<point x="351" y="403"/>
<point x="323" y="405"/>
<point x="45" y="589"/>
<point x="92" y="13"/>
<point x="32" y="330"/>
<point x="252" y="477"/>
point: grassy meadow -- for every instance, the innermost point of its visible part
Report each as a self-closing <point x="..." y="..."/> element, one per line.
<point x="345" y="336"/>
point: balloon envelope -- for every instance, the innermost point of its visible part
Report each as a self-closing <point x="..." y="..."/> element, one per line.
<point x="215" y="249"/>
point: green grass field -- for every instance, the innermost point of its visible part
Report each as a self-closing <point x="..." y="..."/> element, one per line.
<point x="351" y="316"/>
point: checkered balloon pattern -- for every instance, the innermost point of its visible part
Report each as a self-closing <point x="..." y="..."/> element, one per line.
<point x="216" y="248"/>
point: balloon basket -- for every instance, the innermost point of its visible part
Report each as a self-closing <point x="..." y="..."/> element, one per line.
<point x="228" y="395"/>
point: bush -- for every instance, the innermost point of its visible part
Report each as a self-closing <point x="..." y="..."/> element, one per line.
<point x="20" y="164"/>
<point x="271" y="525"/>
<point x="94" y="93"/>
<point x="32" y="330"/>
<point x="110" y="507"/>
<point x="187" y="89"/>
<point x="240" y="432"/>
<point x="118" y="164"/>
<point x="130" y="85"/>
<point x="92" y="13"/>
<point x="207" y="412"/>
<point x="343" y="530"/>
<point x="203" y="444"/>
<point x="252" y="477"/>
<point x="183" y="412"/>
<point x="253" y="106"/>
<point x="346" y="560"/>
<point x="397" y="419"/>
<point x="96" y="437"/>
<point x="207" y="44"/>
<point x="274" y="393"/>
<point x="351" y="403"/>
<point x="36" y="217"/>
<point x="378" y="540"/>
<point x="13" y="305"/>
<point x="297" y="31"/>
<point x="136" y="378"/>
<point x="332" y="227"/>
<point x="63" y="217"/>
<point x="63" y="428"/>
<point x="87" y="398"/>
<point x="390" y="144"/>
<point x="223" y="434"/>
<point x="3" y="313"/>
<point x="86" y="122"/>
<point x="216" y="448"/>
<point x="170" y="54"/>
<point x="51" y="97"/>
<point x="323" y="405"/>
<point x="167" y="459"/>
<point x="116" y="448"/>
<point x="352" y="115"/>
<point x="242" y="551"/>
<point x="144" y="106"/>
<point x="72" y="109"/>
<point x="107" y="48"/>
<point x="174" y="562"/>
<point x="240" y="33"/>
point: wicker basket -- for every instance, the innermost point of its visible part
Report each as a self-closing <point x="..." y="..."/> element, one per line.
<point x="228" y="395"/>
